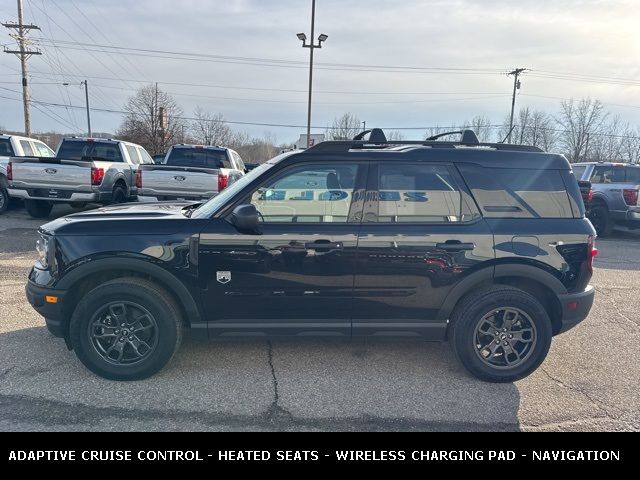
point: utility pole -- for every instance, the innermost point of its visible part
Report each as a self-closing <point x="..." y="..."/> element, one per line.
<point x="516" y="86"/>
<point x="311" y="46"/>
<point x="86" y="95"/>
<point x="24" y="54"/>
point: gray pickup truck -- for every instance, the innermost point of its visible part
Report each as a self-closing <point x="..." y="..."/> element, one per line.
<point x="16" y="146"/>
<point x="614" y="198"/>
<point x="84" y="170"/>
<point x="189" y="172"/>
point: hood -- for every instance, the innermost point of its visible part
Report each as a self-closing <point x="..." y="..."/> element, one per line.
<point x="123" y="219"/>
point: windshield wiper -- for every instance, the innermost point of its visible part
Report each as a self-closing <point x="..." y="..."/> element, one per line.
<point x="188" y="210"/>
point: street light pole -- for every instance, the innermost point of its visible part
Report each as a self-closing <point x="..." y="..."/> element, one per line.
<point x="311" y="46"/>
<point x="86" y="96"/>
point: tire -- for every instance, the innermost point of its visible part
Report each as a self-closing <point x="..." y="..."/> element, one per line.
<point x="475" y="349"/>
<point x="4" y="199"/>
<point x="38" y="208"/>
<point x="601" y="220"/>
<point x="119" y="195"/>
<point x="96" y="342"/>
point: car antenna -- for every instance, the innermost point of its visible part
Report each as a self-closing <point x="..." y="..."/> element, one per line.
<point x="507" y="136"/>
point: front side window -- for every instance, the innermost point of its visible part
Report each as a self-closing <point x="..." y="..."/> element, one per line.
<point x="133" y="154"/>
<point x="418" y="193"/>
<point x="26" y="148"/>
<point x="144" y="156"/>
<point x="42" y="150"/>
<point x="307" y="194"/>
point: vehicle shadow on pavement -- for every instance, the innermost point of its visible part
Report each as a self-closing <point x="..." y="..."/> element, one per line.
<point x="298" y="384"/>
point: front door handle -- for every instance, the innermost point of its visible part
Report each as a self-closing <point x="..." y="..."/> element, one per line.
<point x="455" y="246"/>
<point x="323" y="245"/>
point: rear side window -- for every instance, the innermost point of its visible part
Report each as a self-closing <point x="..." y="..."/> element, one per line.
<point x="198" y="157"/>
<point x="89" y="151"/>
<point x="419" y="193"/>
<point x="633" y="175"/>
<point x="608" y="174"/>
<point x="518" y="193"/>
<point x="6" y="150"/>
<point x="26" y="148"/>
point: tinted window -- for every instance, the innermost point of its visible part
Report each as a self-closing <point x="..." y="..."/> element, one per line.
<point x="43" y="150"/>
<point x="133" y="154"/>
<point x="6" y="150"/>
<point x="198" y="157"/>
<point x="518" y="193"/>
<point x="417" y="193"/>
<point x="26" y="148"/>
<point x="608" y="174"/>
<point x="633" y="175"/>
<point x="310" y="193"/>
<point x="578" y="171"/>
<point x="89" y="151"/>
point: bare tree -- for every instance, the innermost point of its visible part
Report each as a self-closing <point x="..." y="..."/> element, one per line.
<point x="631" y="145"/>
<point x="153" y="119"/>
<point x="394" y="135"/>
<point x="258" y="150"/>
<point x="532" y="127"/>
<point x="580" y="121"/>
<point x="210" y="128"/>
<point x="344" y="128"/>
<point x="608" y="145"/>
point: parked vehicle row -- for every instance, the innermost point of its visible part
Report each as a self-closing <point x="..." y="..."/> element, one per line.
<point x="107" y="171"/>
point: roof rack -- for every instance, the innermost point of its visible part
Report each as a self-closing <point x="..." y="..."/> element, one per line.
<point x="378" y="140"/>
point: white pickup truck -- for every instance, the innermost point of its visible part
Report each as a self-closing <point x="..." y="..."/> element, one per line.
<point x="16" y="146"/>
<point x="84" y="170"/>
<point x="189" y="172"/>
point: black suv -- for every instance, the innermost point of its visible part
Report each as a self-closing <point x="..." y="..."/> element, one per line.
<point x="486" y="245"/>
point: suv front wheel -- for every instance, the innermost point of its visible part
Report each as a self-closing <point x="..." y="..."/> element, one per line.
<point x="501" y="334"/>
<point x="126" y="329"/>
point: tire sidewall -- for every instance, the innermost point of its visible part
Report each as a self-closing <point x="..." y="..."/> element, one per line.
<point x="602" y="214"/>
<point x="97" y="299"/>
<point x="4" y="199"/>
<point x="464" y="333"/>
<point x="119" y="195"/>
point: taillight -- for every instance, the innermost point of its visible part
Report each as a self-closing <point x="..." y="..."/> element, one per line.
<point x="590" y="196"/>
<point x="592" y="251"/>
<point x="223" y="182"/>
<point x="630" y="196"/>
<point x="97" y="174"/>
<point x="9" y="171"/>
<point x="138" y="178"/>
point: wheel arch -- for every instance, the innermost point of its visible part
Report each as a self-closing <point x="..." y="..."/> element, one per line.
<point x="86" y="277"/>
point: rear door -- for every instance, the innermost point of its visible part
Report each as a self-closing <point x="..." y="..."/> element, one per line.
<point x="421" y="234"/>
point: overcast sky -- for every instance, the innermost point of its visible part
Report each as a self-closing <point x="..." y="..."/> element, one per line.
<point x="595" y="43"/>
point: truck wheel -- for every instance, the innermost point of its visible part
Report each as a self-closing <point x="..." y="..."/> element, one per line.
<point x="501" y="334"/>
<point x="4" y="199"/>
<point x="119" y="195"/>
<point x="38" y="208"/>
<point x="126" y="329"/>
<point x="601" y="220"/>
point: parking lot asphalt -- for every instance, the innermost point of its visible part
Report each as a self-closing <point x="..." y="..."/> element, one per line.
<point x="589" y="380"/>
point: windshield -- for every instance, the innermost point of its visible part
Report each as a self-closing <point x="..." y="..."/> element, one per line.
<point x="198" y="157"/>
<point x="207" y="209"/>
<point x="88" y="151"/>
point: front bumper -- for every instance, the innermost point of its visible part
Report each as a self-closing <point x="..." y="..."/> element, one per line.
<point x="575" y="308"/>
<point x="59" y="196"/>
<point x="52" y="312"/>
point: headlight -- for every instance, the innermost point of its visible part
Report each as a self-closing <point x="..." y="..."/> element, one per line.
<point x="43" y="245"/>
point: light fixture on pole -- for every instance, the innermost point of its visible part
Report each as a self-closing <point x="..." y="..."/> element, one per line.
<point x="311" y="46"/>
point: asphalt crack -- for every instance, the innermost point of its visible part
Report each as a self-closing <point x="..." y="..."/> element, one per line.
<point x="276" y="413"/>
<point x="627" y="320"/>
<point x="593" y="401"/>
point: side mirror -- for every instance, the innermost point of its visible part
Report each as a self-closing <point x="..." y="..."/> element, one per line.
<point x="245" y="218"/>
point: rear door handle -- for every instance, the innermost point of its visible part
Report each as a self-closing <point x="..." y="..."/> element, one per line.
<point x="455" y="246"/>
<point x="318" y="245"/>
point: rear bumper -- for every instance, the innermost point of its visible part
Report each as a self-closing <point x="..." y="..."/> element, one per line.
<point x="575" y="308"/>
<point x="52" y="312"/>
<point x="66" y="196"/>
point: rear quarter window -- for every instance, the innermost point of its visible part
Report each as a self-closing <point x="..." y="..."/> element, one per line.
<point x="518" y="193"/>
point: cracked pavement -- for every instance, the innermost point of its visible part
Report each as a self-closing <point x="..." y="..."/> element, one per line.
<point x="589" y="380"/>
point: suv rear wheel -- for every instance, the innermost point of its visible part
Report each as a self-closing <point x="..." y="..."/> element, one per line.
<point x="38" y="208"/>
<point x="501" y="334"/>
<point x="126" y="329"/>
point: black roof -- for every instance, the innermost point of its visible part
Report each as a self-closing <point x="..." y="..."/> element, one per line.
<point x="467" y="150"/>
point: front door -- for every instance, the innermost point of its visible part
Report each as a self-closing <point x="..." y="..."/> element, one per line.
<point x="294" y="277"/>
<point x="421" y="234"/>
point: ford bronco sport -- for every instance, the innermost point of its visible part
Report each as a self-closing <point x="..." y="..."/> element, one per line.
<point x="484" y="245"/>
